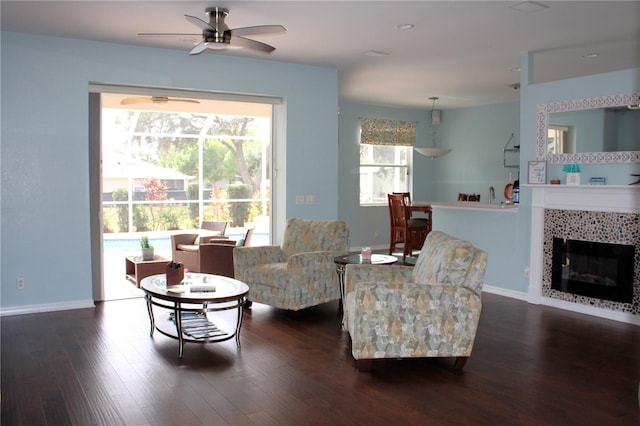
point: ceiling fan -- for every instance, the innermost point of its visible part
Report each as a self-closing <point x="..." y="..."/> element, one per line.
<point x="156" y="100"/>
<point x="216" y="35"/>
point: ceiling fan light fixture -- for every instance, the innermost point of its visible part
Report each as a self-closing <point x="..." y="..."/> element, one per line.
<point x="217" y="36"/>
<point x="216" y="45"/>
<point x="433" y="151"/>
<point x="528" y="6"/>
<point x="159" y="101"/>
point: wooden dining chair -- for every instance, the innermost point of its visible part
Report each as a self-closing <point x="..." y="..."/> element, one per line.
<point x="405" y="229"/>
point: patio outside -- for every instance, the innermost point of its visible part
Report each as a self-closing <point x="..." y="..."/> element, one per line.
<point x="116" y="247"/>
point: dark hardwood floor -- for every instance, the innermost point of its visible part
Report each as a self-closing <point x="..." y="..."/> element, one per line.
<point x="531" y="365"/>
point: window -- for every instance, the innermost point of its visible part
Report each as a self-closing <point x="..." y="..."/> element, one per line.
<point x="385" y="157"/>
<point x="383" y="169"/>
<point x="556" y="139"/>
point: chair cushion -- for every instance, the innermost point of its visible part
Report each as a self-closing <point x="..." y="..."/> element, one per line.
<point x="417" y="222"/>
<point x="443" y="260"/>
<point x="188" y="247"/>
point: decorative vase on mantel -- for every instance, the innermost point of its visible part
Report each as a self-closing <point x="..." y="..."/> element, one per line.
<point x="147" y="248"/>
<point x="573" y="173"/>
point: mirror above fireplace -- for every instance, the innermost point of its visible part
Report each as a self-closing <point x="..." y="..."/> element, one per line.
<point x="561" y="139"/>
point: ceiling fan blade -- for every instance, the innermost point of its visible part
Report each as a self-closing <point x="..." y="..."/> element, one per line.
<point x="155" y="100"/>
<point x="130" y="101"/>
<point x="187" y="101"/>
<point x="198" y="49"/>
<point x="169" y="35"/>
<point x="199" y="22"/>
<point x="258" y="30"/>
<point x="251" y="44"/>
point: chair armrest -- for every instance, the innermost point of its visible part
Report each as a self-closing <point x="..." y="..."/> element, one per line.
<point x="312" y="262"/>
<point x="217" y="259"/>
<point x="182" y="239"/>
<point x="218" y="240"/>
<point x="245" y="258"/>
<point x="396" y="275"/>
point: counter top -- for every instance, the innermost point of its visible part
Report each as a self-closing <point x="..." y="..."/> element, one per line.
<point x="469" y="205"/>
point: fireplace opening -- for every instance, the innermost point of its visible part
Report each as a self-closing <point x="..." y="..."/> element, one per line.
<point x="593" y="269"/>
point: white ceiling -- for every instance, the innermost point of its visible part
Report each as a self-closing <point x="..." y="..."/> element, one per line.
<point x="462" y="52"/>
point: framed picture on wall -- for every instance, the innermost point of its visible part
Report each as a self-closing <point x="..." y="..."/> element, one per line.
<point x="537" y="172"/>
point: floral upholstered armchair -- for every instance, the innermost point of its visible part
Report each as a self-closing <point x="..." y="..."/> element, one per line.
<point x="298" y="273"/>
<point x="430" y="310"/>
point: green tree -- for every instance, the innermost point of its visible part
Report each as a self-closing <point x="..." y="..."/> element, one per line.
<point x="140" y="222"/>
<point x="239" y="209"/>
<point x="232" y="133"/>
<point x="121" y="194"/>
<point x="219" y="208"/>
<point x="192" y="194"/>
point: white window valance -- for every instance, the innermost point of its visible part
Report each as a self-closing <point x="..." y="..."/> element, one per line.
<point x="379" y="131"/>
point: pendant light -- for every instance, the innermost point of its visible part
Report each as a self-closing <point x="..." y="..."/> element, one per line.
<point x="433" y="151"/>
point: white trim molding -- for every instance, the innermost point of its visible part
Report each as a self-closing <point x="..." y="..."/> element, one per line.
<point x="49" y="307"/>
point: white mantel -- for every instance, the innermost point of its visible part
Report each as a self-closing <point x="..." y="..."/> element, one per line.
<point x="603" y="198"/>
<point x="600" y="198"/>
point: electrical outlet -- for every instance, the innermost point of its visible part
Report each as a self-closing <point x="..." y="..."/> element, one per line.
<point x="20" y="283"/>
<point x="311" y="199"/>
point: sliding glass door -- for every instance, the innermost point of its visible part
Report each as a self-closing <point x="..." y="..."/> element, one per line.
<point x="170" y="162"/>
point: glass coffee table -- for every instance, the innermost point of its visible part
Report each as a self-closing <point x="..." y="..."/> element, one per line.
<point x="187" y="307"/>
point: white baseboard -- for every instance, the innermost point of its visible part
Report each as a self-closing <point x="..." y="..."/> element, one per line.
<point x="49" y="307"/>
<point x="573" y="307"/>
<point x="592" y="310"/>
<point x="504" y="292"/>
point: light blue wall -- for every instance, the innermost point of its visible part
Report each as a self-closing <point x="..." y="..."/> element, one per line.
<point x="476" y="137"/>
<point x="503" y="235"/>
<point x="45" y="156"/>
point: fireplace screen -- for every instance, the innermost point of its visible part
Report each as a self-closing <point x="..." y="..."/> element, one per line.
<point x="593" y="269"/>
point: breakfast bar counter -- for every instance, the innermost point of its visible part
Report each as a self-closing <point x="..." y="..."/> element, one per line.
<point x="468" y="205"/>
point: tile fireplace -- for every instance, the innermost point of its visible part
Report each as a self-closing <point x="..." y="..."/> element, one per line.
<point x="598" y="219"/>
